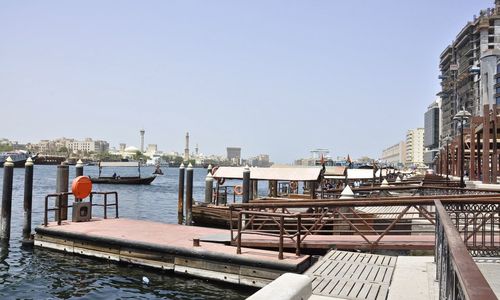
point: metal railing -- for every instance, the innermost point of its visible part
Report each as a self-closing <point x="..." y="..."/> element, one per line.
<point x="58" y="208"/>
<point x="373" y="221"/>
<point x="458" y="275"/>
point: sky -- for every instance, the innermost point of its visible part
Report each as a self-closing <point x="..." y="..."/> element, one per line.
<point x="274" y="77"/>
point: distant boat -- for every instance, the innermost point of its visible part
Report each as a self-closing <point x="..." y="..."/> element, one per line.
<point x="116" y="179"/>
<point x="158" y="171"/>
<point x="19" y="158"/>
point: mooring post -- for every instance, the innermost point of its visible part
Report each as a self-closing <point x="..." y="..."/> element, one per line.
<point x="189" y="194"/>
<point x="209" y="169"/>
<point x="245" y="198"/>
<point x="209" y="186"/>
<point x="8" y="174"/>
<point x="180" y="204"/>
<point x="28" y="198"/>
<point x="62" y="187"/>
<point x="79" y="168"/>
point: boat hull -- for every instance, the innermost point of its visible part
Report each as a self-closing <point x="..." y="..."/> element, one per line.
<point x="123" y="180"/>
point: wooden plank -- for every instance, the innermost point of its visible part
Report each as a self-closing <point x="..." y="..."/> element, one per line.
<point x="97" y="247"/>
<point x="254" y="281"/>
<point x="209" y="265"/>
<point x="54" y="246"/>
<point x="226" y="277"/>
<point x="148" y="263"/>
<point x="146" y="255"/>
<point x="60" y="241"/>
<point x="259" y="272"/>
<point x="95" y="253"/>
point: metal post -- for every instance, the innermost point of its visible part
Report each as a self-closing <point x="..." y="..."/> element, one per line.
<point x="209" y="186"/>
<point x="62" y="187"/>
<point x="28" y="198"/>
<point x="462" y="156"/>
<point x="251" y="191"/>
<point x="79" y="168"/>
<point x="8" y="174"/>
<point x="447" y="161"/>
<point x="189" y="194"/>
<point x="246" y="185"/>
<point x="180" y="204"/>
<point x="255" y="188"/>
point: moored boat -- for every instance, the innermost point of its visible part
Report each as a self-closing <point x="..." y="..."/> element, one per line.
<point x="117" y="179"/>
<point x="19" y="158"/>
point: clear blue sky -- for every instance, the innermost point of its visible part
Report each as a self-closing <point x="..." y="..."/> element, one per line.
<point x="276" y="77"/>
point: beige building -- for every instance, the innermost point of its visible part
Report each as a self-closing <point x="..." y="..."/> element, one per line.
<point x="395" y="154"/>
<point x="415" y="147"/>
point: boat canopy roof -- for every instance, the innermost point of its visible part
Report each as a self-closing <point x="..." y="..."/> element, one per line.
<point x="335" y="171"/>
<point x="119" y="164"/>
<point x="357" y="174"/>
<point x="287" y="173"/>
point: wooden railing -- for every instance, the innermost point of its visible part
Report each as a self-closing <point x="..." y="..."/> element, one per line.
<point x="458" y="275"/>
<point x="372" y="221"/>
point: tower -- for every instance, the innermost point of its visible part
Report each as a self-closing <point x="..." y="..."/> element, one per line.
<point x="196" y="150"/>
<point x="186" y="150"/>
<point x="142" y="139"/>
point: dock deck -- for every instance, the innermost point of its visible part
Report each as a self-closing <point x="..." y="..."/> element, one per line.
<point x="169" y="247"/>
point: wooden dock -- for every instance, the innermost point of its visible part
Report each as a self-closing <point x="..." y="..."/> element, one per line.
<point x="352" y="275"/>
<point x="169" y="247"/>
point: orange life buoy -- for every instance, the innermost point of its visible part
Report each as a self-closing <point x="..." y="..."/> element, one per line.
<point x="81" y="187"/>
<point x="293" y="185"/>
<point x="221" y="181"/>
<point x="214" y="169"/>
<point x="238" y="190"/>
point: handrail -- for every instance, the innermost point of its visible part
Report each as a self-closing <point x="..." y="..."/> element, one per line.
<point x="59" y="208"/>
<point x="382" y="201"/>
<point x="453" y="260"/>
<point x="243" y="229"/>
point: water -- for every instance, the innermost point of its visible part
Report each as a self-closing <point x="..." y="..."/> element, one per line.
<point x="42" y="274"/>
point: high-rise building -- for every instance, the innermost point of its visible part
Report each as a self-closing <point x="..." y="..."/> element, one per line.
<point x="468" y="67"/>
<point x="142" y="139"/>
<point x="234" y="154"/>
<point x="432" y="131"/>
<point x="415" y="147"/>
<point x="186" y="149"/>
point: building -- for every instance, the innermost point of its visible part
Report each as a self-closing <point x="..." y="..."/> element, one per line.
<point x="262" y="160"/>
<point x="432" y="131"/>
<point x="152" y="149"/>
<point x="88" y="145"/>
<point x="395" y="155"/>
<point x="468" y="66"/>
<point x="234" y="155"/>
<point x="415" y="147"/>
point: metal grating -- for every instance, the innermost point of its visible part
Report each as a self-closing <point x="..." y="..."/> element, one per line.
<point x="352" y="275"/>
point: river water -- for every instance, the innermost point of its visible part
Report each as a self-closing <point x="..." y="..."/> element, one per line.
<point x="43" y="274"/>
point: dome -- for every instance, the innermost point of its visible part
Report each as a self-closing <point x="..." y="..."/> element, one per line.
<point x="131" y="149"/>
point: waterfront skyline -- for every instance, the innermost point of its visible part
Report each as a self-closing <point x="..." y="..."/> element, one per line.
<point x="275" y="77"/>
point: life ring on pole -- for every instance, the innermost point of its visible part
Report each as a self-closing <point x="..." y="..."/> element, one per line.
<point x="293" y="185"/>
<point x="221" y="181"/>
<point x="238" y="190"/>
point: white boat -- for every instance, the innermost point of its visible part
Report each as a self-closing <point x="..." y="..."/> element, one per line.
<point x="19" y="157"/>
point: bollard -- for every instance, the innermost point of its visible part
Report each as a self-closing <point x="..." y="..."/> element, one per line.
<point x="189" y="194"/>
<point x="62" y="187"/>
<point x="180" y="204"/>
<point x="79" y="168"/>
<point x="245" y="198"/>
<point x="28" y="198"/>
<point x="8" y="174"/>
<point x="209" y="169"/>
<point x="250" y="192"/>
<point x="209" y="186"/>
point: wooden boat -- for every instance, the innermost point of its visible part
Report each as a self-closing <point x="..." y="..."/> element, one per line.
<point x="123" y="180"/>
<point x="116" y="179"/>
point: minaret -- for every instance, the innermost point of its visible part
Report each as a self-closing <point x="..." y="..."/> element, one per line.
<point x="196" y="150"/>
<point x="142" y="139"/>
<point x="186" y="150"/>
